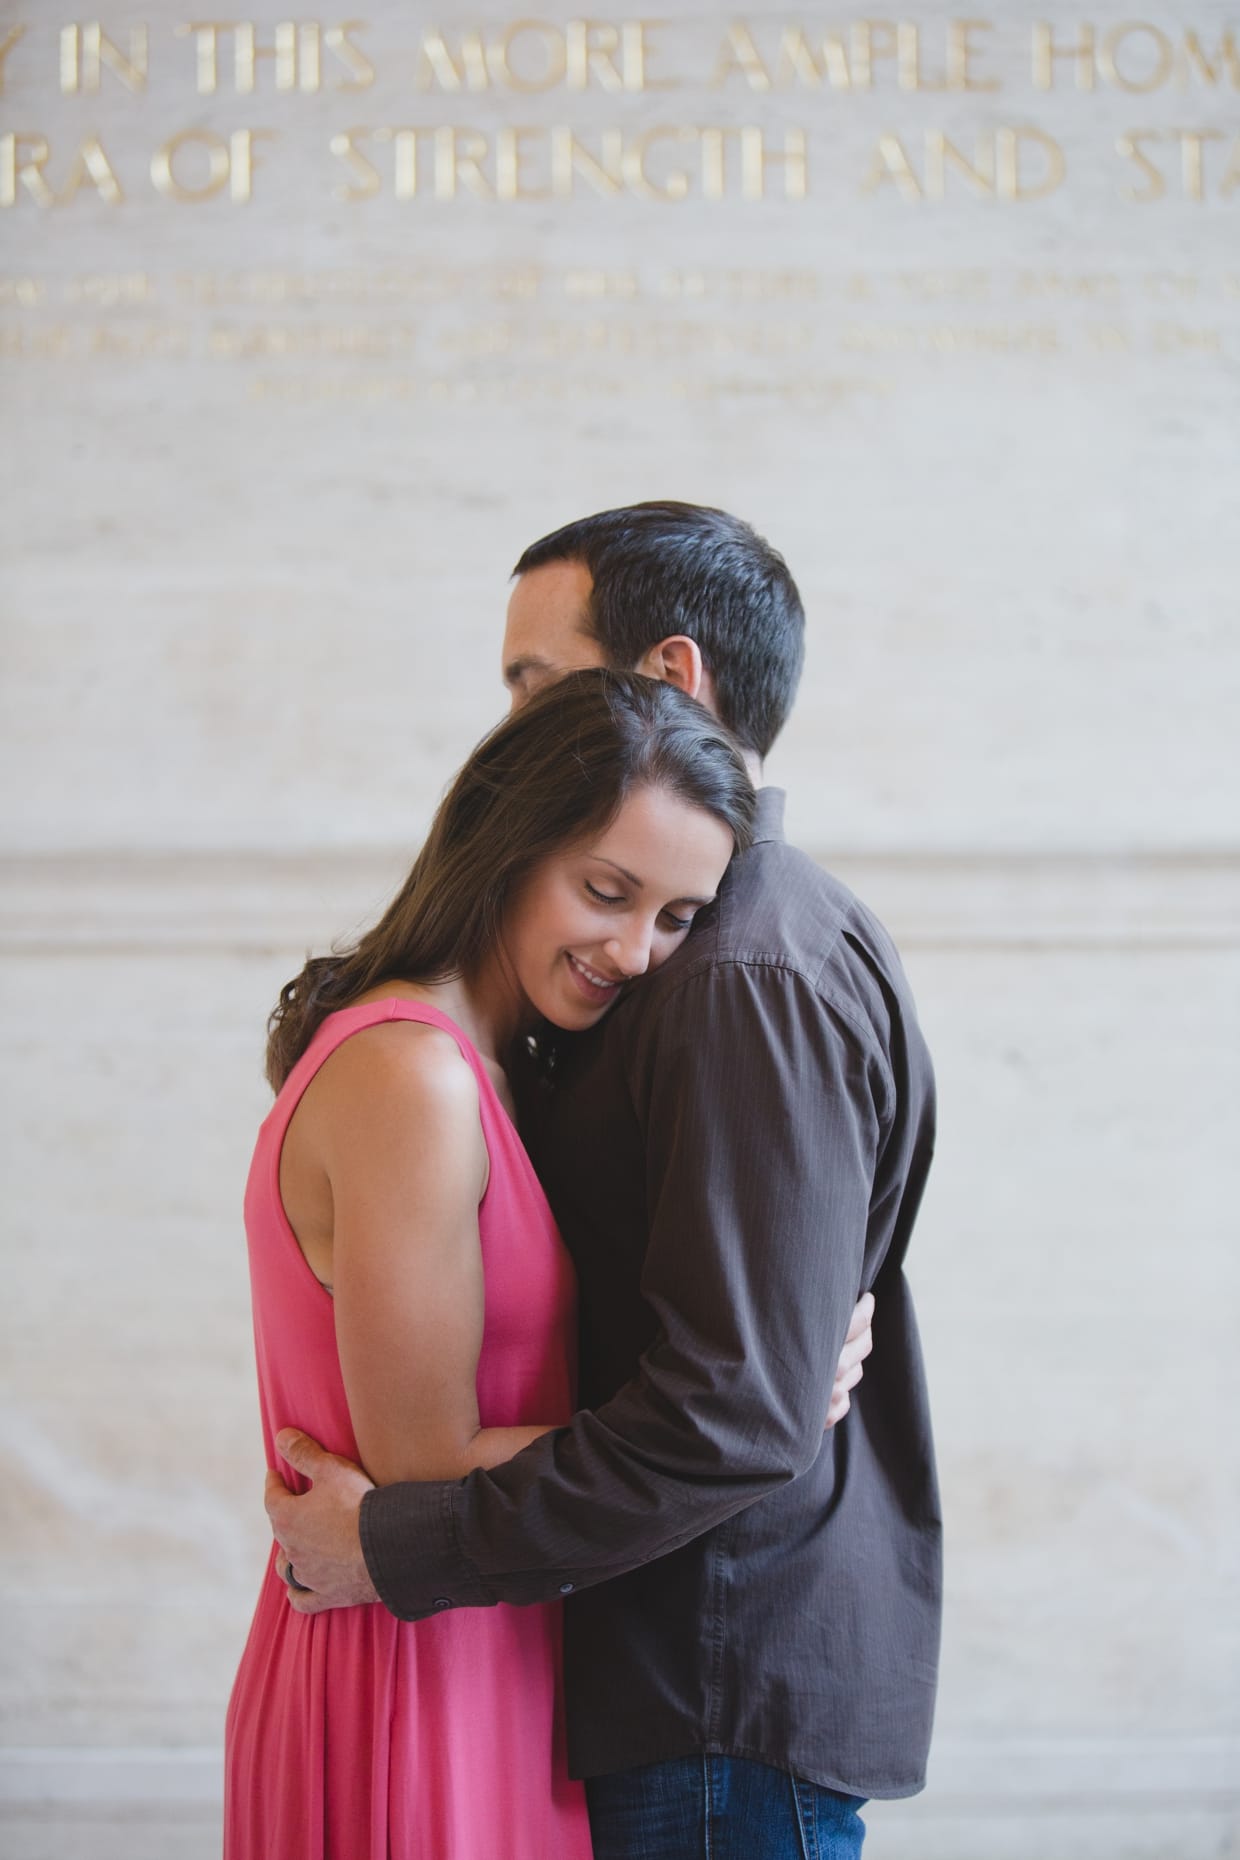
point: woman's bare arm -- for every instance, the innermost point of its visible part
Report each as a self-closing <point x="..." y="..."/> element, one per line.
<point x="395" y="1125"/>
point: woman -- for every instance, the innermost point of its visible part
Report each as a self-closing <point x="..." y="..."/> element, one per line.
<point x="413" y="1304"/>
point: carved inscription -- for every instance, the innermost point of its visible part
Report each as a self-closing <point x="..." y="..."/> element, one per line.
<point x="603" y="146"/>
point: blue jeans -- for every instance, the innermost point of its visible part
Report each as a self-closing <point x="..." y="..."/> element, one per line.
<point x="720" y="1808"/>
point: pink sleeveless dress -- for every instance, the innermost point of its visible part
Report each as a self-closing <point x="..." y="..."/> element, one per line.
<point x="351" y="1735"/>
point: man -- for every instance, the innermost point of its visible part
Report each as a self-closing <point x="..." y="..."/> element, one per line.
<point x="733" y="1154"/>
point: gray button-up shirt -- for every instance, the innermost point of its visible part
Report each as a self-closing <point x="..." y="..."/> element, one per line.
<point x="733" y="1155"/>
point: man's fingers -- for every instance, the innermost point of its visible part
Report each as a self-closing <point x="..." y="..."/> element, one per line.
<point x="274" y="1495"/>
<point x="304" y="1455"/>
<point x="306" y="1602"/>
<point x="315" y="1463"/>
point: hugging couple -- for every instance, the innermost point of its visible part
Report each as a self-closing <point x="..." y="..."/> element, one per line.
<point x="583" y="1166"/>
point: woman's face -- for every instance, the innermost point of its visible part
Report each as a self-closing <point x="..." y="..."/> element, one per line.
<point x="602" y="911"/>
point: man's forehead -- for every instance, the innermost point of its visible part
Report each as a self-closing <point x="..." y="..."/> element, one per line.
<point x="560" y="587"/>
<point x="548" y="631"/>
<point x="548" y="610"/>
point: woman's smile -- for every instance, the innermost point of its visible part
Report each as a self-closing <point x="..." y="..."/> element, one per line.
<point x="599" y="990"/>
<point x="628" y="895"/>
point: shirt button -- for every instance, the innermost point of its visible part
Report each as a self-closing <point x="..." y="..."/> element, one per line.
<point x="441" y="1601"/>
<point x="566" y="1588"/>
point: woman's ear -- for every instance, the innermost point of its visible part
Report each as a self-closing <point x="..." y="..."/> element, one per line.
<point x="677" y="661"/>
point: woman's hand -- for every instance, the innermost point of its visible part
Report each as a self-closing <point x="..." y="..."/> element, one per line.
<point x="857" y="1346"/>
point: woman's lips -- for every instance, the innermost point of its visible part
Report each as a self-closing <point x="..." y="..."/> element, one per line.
<point x="596" y="990"/>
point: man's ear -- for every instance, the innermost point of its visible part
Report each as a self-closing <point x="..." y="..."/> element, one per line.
<point x="677" y="661"/>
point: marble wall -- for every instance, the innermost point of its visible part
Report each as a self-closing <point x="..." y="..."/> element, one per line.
<point x="299" y="350"/>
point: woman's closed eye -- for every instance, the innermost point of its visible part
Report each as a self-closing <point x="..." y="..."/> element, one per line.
<point x="669" y="918"/>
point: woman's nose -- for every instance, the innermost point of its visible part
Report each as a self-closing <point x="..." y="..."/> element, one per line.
<point x="630" y="950"/>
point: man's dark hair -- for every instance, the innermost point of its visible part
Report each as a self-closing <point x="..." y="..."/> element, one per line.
<point x="666" y="568"/>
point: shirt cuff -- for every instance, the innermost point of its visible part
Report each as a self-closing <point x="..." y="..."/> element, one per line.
<point x="409" y="1541"/>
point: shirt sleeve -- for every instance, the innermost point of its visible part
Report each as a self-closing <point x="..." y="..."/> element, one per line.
<point x="762" y="1110"/>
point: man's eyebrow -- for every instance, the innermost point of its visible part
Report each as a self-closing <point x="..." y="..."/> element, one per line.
<point x="638" y="884"/>
<point x="516" y="669"/>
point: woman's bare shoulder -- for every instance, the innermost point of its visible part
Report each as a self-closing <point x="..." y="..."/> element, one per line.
<point x="396" y="1070"/>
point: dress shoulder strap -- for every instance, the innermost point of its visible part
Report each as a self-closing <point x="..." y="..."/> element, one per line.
<point x="345" y="1022"/>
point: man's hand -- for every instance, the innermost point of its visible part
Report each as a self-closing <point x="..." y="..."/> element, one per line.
<point x="857" y="1346"/>
<point x="322" y="1564"/>
<point x="317" y="1531"/>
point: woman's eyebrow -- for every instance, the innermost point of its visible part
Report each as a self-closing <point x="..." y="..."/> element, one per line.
<point x="631" y="876"/>
<point x="638" y="884"/>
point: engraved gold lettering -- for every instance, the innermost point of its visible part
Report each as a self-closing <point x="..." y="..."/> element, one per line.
<point x="365" y="182"/>
<point x="1194" y="58"/>
<point x="1173" y="284"/>
<point x="91" y="164"/>
<point x="871" y="39"/>
<point x="756" y="158"/>
<point x="797" y="63"/>
<point x="908" y="60"/>
<point x="553" y="54"/>
<point x="242" y="162"/>
<point x="1129" y="146"/>
<point x="206" y="36"/>
<point x="105" y="290"/>
<point x="1191" y="141"/>
<point x="961" y="52"/>
<point x="1193" y="179"/>
<point x="354" y="60"/>
<point x="459" y="154"/>
<point x="739" y="53"/>
<point x="144" y="340"/>
<point x="30" y="293"/>
<point x="637" y="52"/>
<point x="437" y="65"/>
<point x="675" y="184"/>
<point x="1231" y="174"/>
<point x="85" y="53"/>
<point x="714" y="171"/>
<point x="52" y="342"/>
<point x="163" y="165"/>
<point x="998" y="168"/>
<point x="595" y="283"/>
<point x="835" y="62"/>
<point x="942" y="156"/>
<point x="590" y="48"/>
<point x="570" y="157"/>
<point x="1112" y="46"/>
<point x="310" y="57"/>
<point x="22" y="161"/>
<point x="405" y="163"/>
<point x="1109" y="338"/>
<point x="1046" y="51"/>
<point x="891" y="163"/>
<point x="509" y="155"/>
<point x="524" y="282"/>
<point x="1010" y="182"/>
<point x="247" y="52"/>
<point x="7" y="43"/>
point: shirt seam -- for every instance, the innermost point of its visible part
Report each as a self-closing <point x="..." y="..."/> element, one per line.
<point x="781" y="965"/>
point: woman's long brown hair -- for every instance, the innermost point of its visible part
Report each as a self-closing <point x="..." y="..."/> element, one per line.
<point x="554" y="773"/>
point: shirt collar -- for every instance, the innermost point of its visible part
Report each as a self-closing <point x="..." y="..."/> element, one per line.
<point x="769" y="819"/>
